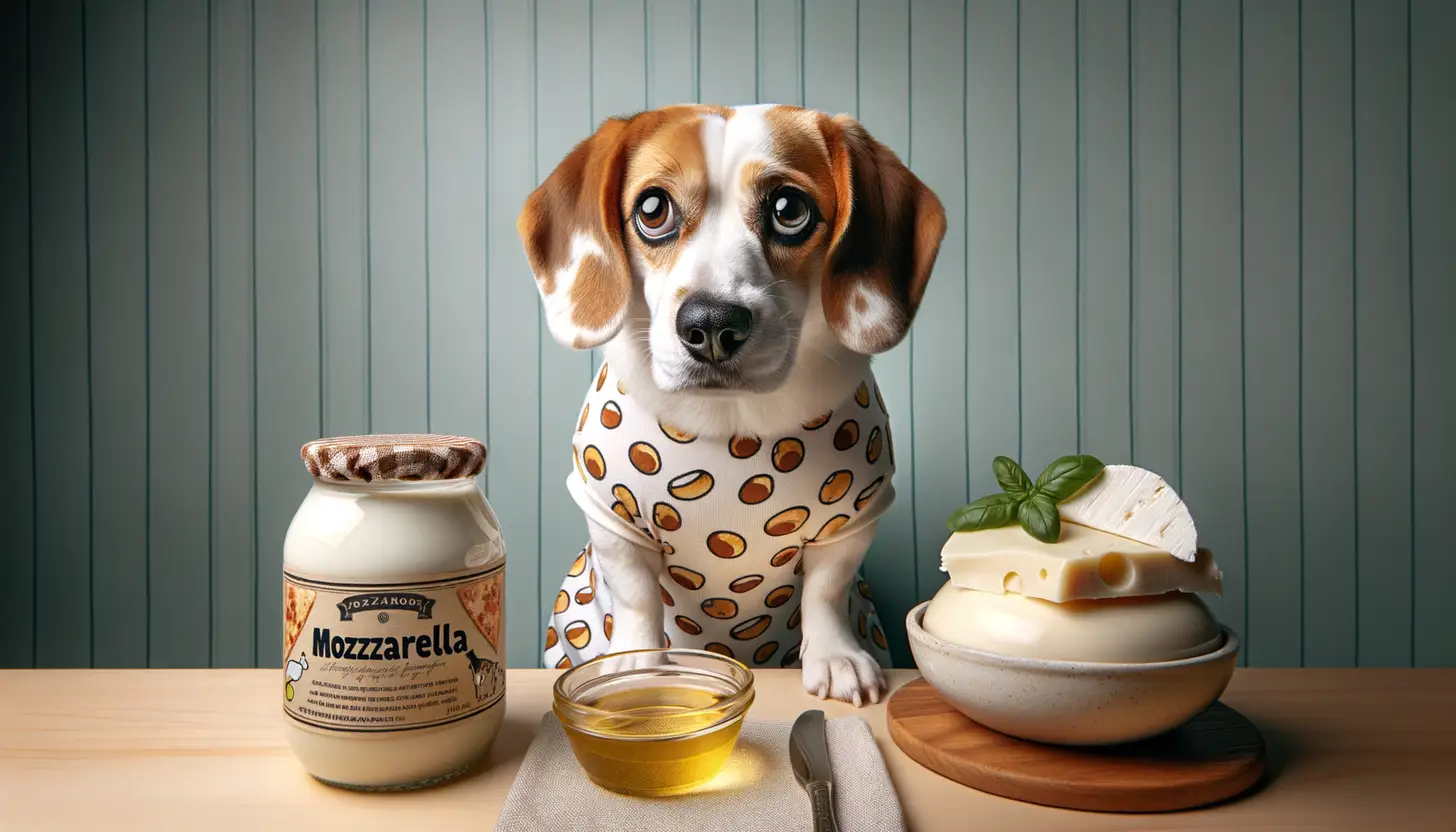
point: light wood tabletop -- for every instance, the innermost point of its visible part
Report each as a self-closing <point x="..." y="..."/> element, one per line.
<point x="183" y="749"/>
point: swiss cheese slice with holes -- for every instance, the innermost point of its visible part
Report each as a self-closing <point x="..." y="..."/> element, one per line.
<point x="1135" y="503"/>
<point x="1086" y="563"/>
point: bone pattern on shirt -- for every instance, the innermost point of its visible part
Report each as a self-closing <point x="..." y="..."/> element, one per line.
<point x="733" y="517"/>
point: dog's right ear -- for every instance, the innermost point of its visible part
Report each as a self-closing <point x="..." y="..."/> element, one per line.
<point x="887" y="231"/>
<point x="572" y="230"/>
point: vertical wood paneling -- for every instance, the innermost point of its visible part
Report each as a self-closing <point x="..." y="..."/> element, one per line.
<point x="1432" y="182"/>
<point x="455" y="103"/>
<point x="1048" y="96"/>
<point x="780" y="47"/>
<point x="399" y="265"/>
<point x="1104" y="227"/>
<point x="287" y="287"/>
<point x="344" y="202"/>
<point x="1212" y="302"/>
<point x="60" y="309"/>
<point x="618" y="53"/>
<point x="1271" y="331"/>
<point x="884" y="110"/>
<point x="830" y="63"/>
<point x="17" y="511"/>
<point x="228" y="228"/>
<point x="727" y="52"/>
<point x="178" y="341"/>
<point x="1155" y="252"/>
<point x="116" y="161"/>
<point x="938" y="338"/>
<point x="1382" y="335"/>
<point x="672" y="52"/>
<point x="1331" y="591"/>
<point x="993" y="257"/>
<point x="563" y="118"/>
<point x="513" y="471"/>
<point x="234" y="551"/>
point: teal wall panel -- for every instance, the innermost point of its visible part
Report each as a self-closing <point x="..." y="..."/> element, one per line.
<point x="1271" y="345"/>
<point x="1212" y="238"/>
<point x="344" y="216"/>
<point x="17" y="414"/>
<point x="1382" y="298"/>
<point x="234" y="317"/>
<point x="1331" y="583"/>
<point x="178" y="337"/>
<point x="1431" y="179"/>
<point x="60" y="337"/>
<point x="116" y="193"/>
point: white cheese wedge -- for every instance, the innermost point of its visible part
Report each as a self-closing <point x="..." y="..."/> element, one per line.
<point x="1085" y="564"/>
<point x="1137" y="504"/>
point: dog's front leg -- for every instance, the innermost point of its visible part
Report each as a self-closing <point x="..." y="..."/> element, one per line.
<point x="835" y="666"/>
<point x="631" y="572"/>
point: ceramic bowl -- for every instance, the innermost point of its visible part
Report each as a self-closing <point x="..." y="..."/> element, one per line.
<point x="1071" y="703"/>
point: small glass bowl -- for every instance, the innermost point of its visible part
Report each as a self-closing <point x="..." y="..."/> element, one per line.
<point x="663" y="727"/>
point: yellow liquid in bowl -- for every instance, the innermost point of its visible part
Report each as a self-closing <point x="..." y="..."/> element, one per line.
<point x="653" y="740"/>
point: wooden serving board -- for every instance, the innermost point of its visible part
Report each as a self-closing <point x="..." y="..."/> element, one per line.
<point x="1216" y="756"/>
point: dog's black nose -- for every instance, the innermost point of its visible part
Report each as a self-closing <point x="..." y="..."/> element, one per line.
<point x="711" y="329"/>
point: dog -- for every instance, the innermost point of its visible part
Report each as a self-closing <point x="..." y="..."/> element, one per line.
<point x="739" y="266"/>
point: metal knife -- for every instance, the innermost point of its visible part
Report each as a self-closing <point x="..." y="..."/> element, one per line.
<point x="809" y="755"/>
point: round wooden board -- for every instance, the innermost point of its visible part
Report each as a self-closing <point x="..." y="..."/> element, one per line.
<point x="1216" y="756"/>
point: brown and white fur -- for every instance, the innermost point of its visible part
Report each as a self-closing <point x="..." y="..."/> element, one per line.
<point x="822" y="303"/>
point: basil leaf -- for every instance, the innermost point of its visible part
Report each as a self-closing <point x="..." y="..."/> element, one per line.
<point x="991" y="512"/>
<point x="1039" y="516"/>
<point x="1013" y="480"/>
<point x="1067" y="476"/>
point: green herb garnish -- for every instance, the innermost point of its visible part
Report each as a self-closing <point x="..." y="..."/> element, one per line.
<point x="1034" y="505"/>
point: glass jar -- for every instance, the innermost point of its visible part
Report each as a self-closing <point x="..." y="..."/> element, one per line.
<point x="393" y="613"/>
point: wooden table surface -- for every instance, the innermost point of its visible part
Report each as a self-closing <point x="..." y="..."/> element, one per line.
<point x="172" y="749"/>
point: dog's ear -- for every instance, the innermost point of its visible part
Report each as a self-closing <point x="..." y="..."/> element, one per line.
<point x="572" y="230"/>
<point x="887" y="231"/>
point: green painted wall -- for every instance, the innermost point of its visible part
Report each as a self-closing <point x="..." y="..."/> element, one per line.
<point x="1212" y="238"/>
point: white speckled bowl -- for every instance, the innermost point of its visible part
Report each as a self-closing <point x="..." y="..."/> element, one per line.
<point x="1071" y="703"/>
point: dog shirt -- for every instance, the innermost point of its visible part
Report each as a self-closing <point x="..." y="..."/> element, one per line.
<point x="733" y="516"/>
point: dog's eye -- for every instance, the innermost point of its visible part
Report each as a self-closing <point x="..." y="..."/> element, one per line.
<point x="790" y="214"/>
<point x="655" y="217"/>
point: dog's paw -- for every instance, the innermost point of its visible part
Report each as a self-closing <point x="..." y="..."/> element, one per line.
<point x="849" y="675"/>
<point x="619" y="662"/>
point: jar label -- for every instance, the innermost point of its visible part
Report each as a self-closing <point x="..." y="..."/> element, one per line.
<point x="374" y="658"/>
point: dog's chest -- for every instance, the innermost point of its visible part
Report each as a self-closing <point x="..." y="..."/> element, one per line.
<point x="731" y="513"/>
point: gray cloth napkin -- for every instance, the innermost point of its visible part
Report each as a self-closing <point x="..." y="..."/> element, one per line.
<point x="755" y="792"/>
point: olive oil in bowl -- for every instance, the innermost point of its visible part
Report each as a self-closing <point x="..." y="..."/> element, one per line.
<point x="654" y="731"/>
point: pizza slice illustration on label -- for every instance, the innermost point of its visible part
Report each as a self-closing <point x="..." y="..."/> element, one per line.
<point x="297" y="603"/>
<point x="482" y="602"/>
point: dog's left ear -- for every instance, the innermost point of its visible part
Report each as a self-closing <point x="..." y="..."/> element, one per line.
<point x="572" y="230"/>
<point x="887" y="231"/>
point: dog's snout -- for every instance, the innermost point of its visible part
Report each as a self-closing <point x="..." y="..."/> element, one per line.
<point x="713" y="329"/>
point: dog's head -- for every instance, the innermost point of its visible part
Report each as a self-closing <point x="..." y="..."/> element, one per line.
<point x="721" y="242"/>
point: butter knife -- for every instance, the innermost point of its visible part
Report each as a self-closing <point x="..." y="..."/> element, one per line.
<point x="809" y="755"/>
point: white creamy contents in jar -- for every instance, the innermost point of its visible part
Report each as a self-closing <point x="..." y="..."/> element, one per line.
<point x="393" y="568"/>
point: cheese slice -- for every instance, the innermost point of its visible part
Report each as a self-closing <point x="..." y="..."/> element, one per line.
<point x="1086" y="563"/>
<point x="1137" y="504"/>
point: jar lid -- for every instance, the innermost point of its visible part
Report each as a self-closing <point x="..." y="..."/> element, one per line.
<point x="409" y="457"/>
